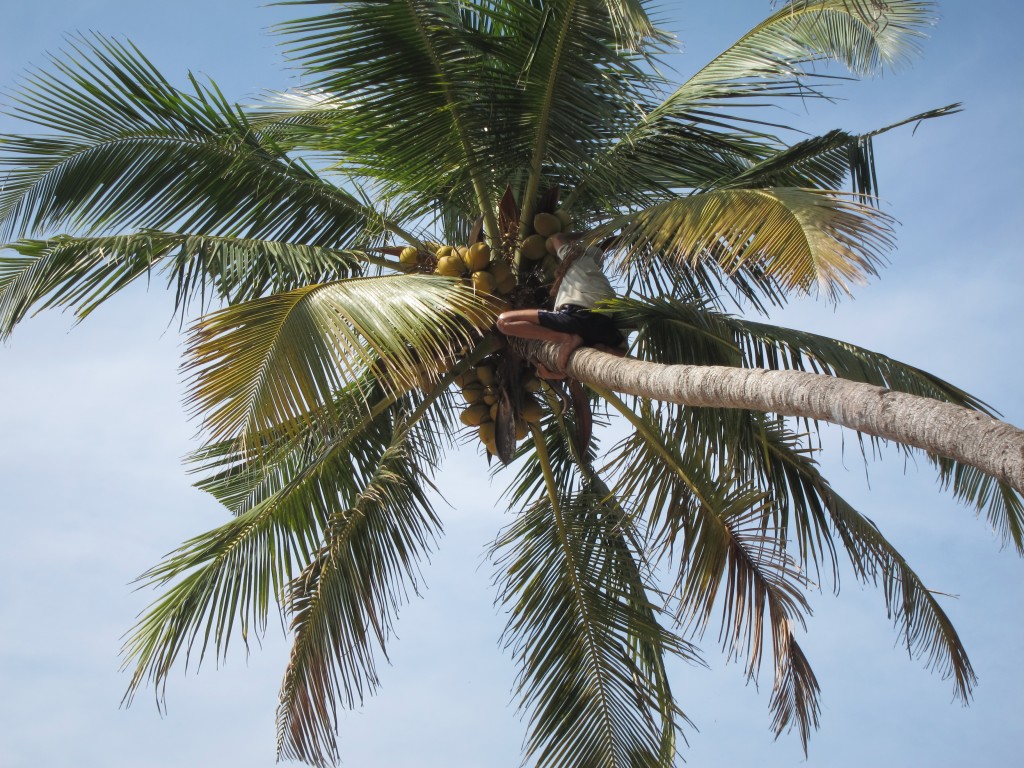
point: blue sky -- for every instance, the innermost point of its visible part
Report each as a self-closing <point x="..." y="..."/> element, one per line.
<point x="92" y="431"/>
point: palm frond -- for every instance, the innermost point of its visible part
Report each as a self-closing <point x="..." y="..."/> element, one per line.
<point x="864" y="36"/>
<point x="128" y="149"/>
<point x="926" y="629"/>
<point x="1001" y="503"/>
<point x="267" y="363"/>
<point x="802" y="239"/>
<point x="407" y="73"/>
<point x="729" y="554"/>
<point x="226" y="579"/>
<point x="81" y="273"/>
<point x="345" y="600"/>
<point x="592" y="678"/>
<point x="824" y="162"/>
<point x="242" y="476"/>
<point x="572" y="75"/>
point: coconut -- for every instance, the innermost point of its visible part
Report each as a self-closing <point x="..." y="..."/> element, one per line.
<point x="483" y="282"/>
<point x="474" y="415"/>
<point x="546" y="224"/>
<point x="531" y="411"/>
<point x="506" y="285"/>
<point x="551" y="246"/>
<point x="564" y="219"/>
<point x="486" y="432"/>
<point x="549" y="265"/>
<point x="478" y="256"/>
<point x="409" y="255"/>
<point x="534" y="248"/>
<point x="445" y="250"/>
<point x="485" y="374"/>
<point x="450" y="266"/>
<point x="532" y="384"/>
<point x="522" y="429"/>
<point x="501" y="270"/>
<point x="473" y="393"/>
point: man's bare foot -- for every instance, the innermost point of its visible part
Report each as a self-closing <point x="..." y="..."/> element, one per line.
<point x="566" y="348"/>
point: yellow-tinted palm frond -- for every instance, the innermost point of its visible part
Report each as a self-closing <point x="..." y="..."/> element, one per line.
<point x="266" y="363"/>
<point x="804" y="240"/>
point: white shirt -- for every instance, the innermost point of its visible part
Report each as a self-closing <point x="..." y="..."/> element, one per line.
<point x="584" y="283"/>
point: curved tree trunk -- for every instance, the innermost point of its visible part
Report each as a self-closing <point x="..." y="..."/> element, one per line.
<point x="942" y="429"/>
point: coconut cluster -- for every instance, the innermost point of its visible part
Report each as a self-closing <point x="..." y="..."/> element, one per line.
<point x="491" y="274"/>
<point x="538" y="248"/>
<point x="481" y="392"/>
<point x="473" y="262"/>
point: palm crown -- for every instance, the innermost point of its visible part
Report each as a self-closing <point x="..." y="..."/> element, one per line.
<point x="338" y="226"/>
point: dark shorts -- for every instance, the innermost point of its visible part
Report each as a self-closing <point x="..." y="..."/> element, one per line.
<point x="593" y="327"/>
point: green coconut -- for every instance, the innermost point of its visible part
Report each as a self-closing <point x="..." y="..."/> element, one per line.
<point x="546" y="224"/>
<point x="534" y="248"/>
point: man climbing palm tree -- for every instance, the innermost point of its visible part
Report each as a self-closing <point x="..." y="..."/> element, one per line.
<point x="579" y="285"/>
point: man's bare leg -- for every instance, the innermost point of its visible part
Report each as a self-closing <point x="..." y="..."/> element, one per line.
<point x="525" y="324"/>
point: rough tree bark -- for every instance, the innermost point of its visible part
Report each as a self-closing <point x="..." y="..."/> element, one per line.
<point x="940" y="428"/>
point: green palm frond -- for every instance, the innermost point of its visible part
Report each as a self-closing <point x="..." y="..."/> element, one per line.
<point x="1001" y="503"/>
<point x="406" y="72"/>
<point x="345" y="600"/>
<point x="592" y="679"/>
<point x="267" y="363"/>
<point x="574" y="77"/>
<point x="674" y="332"/>
<point x="81" y="273"/>
<point x="802" y="239"/>
<point x="730" y="555"/>
<point x="128" y="149"/>
<point x="228" y="577"/>
<point x="926" y="629"/>
<point x="242" y="476"/>
<point x="695" y="138"/>
<point x="864" y="36"/>
<point x="824" y="162"/>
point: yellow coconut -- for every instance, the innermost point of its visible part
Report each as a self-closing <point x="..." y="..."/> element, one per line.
<point x="490" y="395"/>
<point x="409" y="256"/>
<point x="450" y="266"/>
<point x="478" y="256"/>
<point x="531" y="411"/>
<point x="546" y="224"/>
<point x="534" y="248"/>
<point x="501" y="271"/>
<point x="485" y="374"/>
<point x="474" y="415"/>
<point x="445" y="250"/>
<point x="494" y="412"/>
<point x="473" y="393"/>
<point x="483" y="282"/>
<point x="486" y="432"/>
<point x="468" y="376"/>
<point x="507" y="285"/>
<point x="522" y="429"/>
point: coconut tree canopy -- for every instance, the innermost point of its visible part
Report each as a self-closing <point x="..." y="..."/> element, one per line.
<point x="346" y="247"/>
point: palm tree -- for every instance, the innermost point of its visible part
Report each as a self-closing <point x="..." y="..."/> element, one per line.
<point x="317" y="219"/>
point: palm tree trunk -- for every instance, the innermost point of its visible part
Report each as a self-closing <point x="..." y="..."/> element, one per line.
<point x="940" y="428"/>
